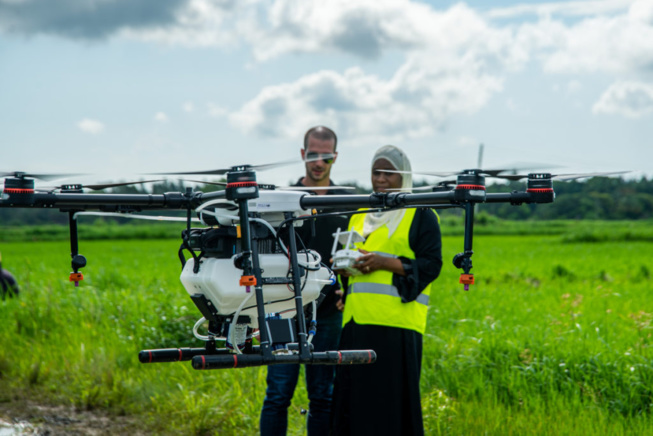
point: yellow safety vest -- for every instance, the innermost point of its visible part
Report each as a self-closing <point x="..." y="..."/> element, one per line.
<point x="372" y="298"/>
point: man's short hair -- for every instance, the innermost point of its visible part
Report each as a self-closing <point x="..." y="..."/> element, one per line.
<point x="322" y="133"/>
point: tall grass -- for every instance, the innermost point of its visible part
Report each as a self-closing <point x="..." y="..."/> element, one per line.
<point x="555" y="338"/>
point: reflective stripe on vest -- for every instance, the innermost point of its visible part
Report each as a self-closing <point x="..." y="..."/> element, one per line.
<point x="377" y="288"/>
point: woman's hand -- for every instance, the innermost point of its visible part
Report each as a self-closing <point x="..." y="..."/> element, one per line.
<point x="370" y="262"/>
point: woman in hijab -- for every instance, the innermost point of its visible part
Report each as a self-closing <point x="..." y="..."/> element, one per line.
<point x="385" y="310"/>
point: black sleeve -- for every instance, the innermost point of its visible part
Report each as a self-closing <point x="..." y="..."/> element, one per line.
<point x="426" y="242"/>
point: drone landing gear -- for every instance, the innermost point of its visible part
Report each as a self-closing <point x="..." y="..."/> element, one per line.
<point x="78" y="261"/>
<point x="464" y="260"/>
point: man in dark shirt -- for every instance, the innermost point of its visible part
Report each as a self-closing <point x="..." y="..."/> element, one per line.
<point x="319" y="154"/>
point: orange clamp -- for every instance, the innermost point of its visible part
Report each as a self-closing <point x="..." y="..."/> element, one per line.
<point x="467" y="279"/>
<point x="248" y="281"/>
<point x="76" y="277"/>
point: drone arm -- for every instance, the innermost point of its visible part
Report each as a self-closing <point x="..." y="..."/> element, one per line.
<point x="520" y="197"/>
<point x="376" y="200"/>
<point x="80" y="201"/>
<point x="539" y="189"/>
<point x="203" y="197"/>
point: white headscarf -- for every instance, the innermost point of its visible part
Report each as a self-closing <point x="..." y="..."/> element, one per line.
<point x="400" y="162"/>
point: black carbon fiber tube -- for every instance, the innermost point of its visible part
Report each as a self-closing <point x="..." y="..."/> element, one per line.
<point x="169" y="354"/>
<point x="347" y="357"/>
<point x="395" y="199"/>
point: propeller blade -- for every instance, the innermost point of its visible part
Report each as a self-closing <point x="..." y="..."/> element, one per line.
<point x="517" y="167"/>
<point x="312" y="188"/>
<point x="426" y="173"/>
<point x="564" y="177"/>
<point x="513" y="177"/>
<point x="95" y="187"/>
<point x="269" y="166"/>
<point x="489" y="172"/>
<point x="418" y="188"/>
<point x="561" y="177"/>
<point x="113" y="185"/>
<point x="22" y="174"/>
<point x="203" y="182"/>
<point x="218" y="172"/>
<point x="223" y="171"/>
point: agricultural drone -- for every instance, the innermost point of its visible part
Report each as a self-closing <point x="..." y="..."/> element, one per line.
<point x="247" y="272"/>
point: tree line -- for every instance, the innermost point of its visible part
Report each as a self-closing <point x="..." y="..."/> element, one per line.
<point x="598" y="198"/>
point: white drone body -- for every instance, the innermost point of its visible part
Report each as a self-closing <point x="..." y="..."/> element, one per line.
<point x="218" y="279"/>
<point x="345" y="258"/>
<point x="272" y="205"/>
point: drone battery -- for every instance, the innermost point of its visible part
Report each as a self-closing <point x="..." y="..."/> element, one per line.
<point x="223" y="242"/>
<point x="219" y="242"/>
<point x="280" y="331"/>
<point x="205" y="306"/>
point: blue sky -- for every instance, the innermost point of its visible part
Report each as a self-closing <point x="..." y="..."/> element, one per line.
<point x="120" y="88"/>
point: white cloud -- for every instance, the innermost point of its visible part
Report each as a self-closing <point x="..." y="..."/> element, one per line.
<point x="454" y="60"/>
<point x="90" y="126"/>
<point x="420" y="98"/>
<point x="620" y="44"/>
<point x="371" y="28"/>
<point x="642" y="11"/>
<point x="364" y="28"/>
<point x="630" y="99"/>
<point x="161" y="117"/>
<point x="606" y="35"/>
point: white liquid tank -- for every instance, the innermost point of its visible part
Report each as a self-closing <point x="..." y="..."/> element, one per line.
<point x="218" y="280"/>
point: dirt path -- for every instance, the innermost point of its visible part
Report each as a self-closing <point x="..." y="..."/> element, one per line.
<point x="26" y="417"/>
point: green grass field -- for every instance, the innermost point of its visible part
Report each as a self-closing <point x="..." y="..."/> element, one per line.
<point x="555" y="337"/>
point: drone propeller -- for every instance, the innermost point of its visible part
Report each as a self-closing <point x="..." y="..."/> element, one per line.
<point x="562" y="177"/>
<point x="442" y="185"/>
<point x="312" y="188"/>
<point x="22" y="175"/>
<point x="223" y="171"/>
<point x="497" y="174"/>
<point x="271" y="187"/>
<point x="204" y="182"/>
<point x="97" y="187"/>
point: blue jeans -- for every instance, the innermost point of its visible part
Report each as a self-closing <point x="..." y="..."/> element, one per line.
<point x="282" y="380"/>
